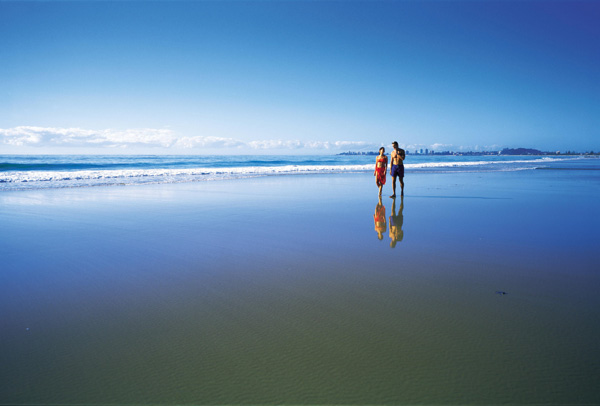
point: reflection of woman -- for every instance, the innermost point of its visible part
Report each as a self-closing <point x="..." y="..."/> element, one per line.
<point x="380" y="169"/>
<point x="379" y="217"/>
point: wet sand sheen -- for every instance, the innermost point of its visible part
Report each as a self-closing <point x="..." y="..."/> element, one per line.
<point x="254" y="292"/>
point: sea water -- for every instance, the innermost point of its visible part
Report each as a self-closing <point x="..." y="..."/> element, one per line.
<point x="277" y="289"/>
<point x="18" y="172"/>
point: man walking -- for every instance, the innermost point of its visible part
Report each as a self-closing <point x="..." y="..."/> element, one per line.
<point x="397" y="168"/>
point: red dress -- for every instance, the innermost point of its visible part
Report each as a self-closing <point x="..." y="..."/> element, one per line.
<point x="381" y="172"/>
<point x="379" y="217"/>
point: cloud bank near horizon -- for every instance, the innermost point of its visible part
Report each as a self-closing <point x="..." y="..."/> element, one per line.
<point x="167" y="140"/>
<point x="47" y="137"/>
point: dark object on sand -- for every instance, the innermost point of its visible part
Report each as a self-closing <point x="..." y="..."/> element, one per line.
<point x="501" y="292"/>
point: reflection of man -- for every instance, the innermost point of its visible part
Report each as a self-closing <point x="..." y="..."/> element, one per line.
<point x="379" y="217"/>
<point x="396" y="222"/>
<point x="397" y="168"/>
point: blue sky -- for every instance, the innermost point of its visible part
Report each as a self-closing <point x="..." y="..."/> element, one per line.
<point x="249" y="77"/>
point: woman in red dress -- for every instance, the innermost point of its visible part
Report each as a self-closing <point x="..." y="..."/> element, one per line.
<point x="380" y="169"/>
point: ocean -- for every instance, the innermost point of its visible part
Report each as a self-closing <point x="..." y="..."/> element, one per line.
<point x="26" y="172"/>
<point x="480" y="286"/>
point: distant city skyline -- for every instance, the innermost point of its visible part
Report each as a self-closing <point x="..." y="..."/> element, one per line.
<point x="299" y="77"/>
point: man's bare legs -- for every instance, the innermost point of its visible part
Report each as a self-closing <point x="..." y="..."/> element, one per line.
<point x="401" y="179"/>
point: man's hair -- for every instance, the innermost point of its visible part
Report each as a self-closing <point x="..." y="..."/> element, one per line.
<point x="395" y="143"/>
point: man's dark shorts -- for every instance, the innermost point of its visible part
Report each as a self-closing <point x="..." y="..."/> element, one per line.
<point x="398" y="170"/>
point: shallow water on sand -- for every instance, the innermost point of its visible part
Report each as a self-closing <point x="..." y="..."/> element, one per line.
<point x="279" y="291"/>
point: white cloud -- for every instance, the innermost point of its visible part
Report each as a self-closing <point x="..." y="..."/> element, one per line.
<point x="29" y="136"/>
<point x="441" y="147"/>
<point x="494" y="147"/>
<point x="78" y="137"/>
<point x="275" y="144"/>
<point x="21" y="136"/>
<point x="314" y="145"/>
<point x="207" y="142"/>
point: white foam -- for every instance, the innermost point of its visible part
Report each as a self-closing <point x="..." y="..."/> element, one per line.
<point x="478" y="163"/>
<point x="38" y="176"/>
<point x="44" y="179"/>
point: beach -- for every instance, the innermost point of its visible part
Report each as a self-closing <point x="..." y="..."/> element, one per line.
<point x="277" y="290"/>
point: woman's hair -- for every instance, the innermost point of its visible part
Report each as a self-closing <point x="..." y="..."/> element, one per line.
<point x="381" y="149"/>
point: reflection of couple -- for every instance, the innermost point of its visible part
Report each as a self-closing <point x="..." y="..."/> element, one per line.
<point x="396" y="221"/>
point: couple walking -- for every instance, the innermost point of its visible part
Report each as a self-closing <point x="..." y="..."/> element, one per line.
<point x="396" y="170"/>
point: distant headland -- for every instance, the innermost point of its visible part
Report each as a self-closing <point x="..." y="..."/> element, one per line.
<point x="505" y="151"/>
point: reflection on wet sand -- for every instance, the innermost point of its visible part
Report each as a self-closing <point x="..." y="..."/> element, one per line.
<point x="396" y="222"/>
<point x="379" y="218"/>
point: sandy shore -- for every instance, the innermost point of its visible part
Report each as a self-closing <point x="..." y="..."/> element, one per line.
<point x="278" y="290"/>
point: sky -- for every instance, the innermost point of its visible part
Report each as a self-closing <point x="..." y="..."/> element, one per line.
<point x="298" y="77"/>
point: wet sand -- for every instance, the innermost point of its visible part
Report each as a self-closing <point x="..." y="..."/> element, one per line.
<point x="277" y="290"/>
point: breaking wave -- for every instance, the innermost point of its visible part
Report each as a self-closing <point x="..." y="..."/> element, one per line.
<point x="79" y="172"/>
